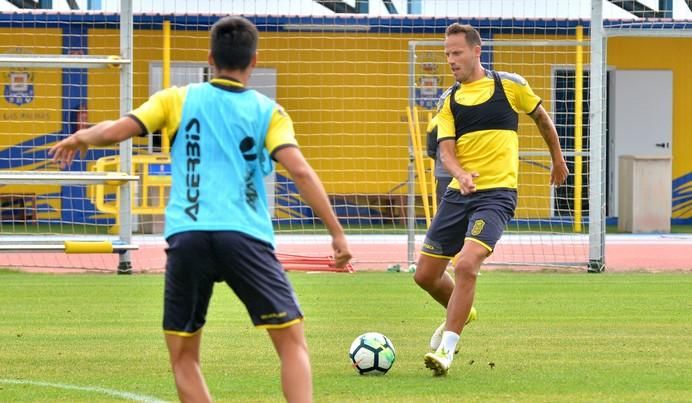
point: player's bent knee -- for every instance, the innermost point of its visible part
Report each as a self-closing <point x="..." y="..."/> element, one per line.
<point x="427" y="278"/>
<point x="466" y="270"/>
<point x="464" y="276"/>
<point x="429" y="271"/>
<point x="421" y="279"/>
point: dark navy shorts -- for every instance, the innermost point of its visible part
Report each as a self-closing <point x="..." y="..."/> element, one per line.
<point x="479" y="217"/>
<point x="198" y="259"/>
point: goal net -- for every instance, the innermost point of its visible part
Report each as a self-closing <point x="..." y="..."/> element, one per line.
<point x="58" y="77"/>
<point x="345" y="79"/>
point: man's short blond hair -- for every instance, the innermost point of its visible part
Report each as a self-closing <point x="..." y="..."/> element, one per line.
<point x="473" y="38"/>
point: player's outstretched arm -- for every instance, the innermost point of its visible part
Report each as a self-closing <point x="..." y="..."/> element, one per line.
<point x="559" y="171"/>
<point x="102" y="134"/>
<point x="312" y="191"/>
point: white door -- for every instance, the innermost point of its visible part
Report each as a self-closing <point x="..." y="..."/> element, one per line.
<point x="640" y="109"/>
<point x="183" y="73"/>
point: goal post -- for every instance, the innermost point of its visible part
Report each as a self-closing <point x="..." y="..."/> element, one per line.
<point x="61" y="217"/>
<point x="547" y="228"/>
<point x="639" y="101"/>
<point x="597" y="115"/>
<point x="125" y="148"/>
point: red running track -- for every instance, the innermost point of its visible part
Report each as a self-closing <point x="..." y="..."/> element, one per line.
<point x="623" y="253"/>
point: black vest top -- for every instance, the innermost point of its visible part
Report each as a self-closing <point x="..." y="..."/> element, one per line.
<point x="494" y="114"/>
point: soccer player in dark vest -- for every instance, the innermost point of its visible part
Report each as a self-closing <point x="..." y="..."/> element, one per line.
<point x="477" y="138"/>
<point x="218" y="226"/>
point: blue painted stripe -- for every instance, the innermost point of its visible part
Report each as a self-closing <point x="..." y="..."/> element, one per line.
<point x="384" y="24"/>
<point x="378" y="24"/>
<point x="683" y="180"/>
<point x="682" y="195"/>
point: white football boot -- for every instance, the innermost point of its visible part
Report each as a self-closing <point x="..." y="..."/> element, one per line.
<point x="438" y="362"/>
<point x="436" y="338"/>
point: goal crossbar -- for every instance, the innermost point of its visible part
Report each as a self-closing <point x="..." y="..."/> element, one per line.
<point x="84" y="61"/>
<point x="70" y="178"/>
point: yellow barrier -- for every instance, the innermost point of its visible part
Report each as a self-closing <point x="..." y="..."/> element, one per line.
<point x="433" y="179"/>
<point x="166" y="78"/>
<point x="578" y="98"/>
<point x="151" y="195"/>
<point x="88" y="247"/>
<point x="414" y="132"/>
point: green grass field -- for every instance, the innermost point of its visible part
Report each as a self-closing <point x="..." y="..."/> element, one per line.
<point x="552" y="337"/>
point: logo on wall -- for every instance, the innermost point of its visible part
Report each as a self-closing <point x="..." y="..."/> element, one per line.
<point x="19" y="87"/>
<point x="428" y="79"/>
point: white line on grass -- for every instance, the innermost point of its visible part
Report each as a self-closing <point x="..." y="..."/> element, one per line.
<point x="95" y="389"/>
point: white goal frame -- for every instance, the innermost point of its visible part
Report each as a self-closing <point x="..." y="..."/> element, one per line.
<point x="123" y="245"/>
<point x="596" y="217"/>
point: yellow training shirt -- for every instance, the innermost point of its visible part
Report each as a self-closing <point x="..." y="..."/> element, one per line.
<point x="482" y="117"/>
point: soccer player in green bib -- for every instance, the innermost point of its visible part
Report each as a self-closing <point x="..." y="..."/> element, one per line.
<point x="477" y="138"/>
<point x="218" y="226"/>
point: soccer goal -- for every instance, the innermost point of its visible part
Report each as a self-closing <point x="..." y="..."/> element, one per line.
<point x="550" y="224"/>
<point x="360" y="88"/>
<point x="47" y="62"/>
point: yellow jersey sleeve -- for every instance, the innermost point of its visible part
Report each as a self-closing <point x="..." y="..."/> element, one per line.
<point x="520" y="95"/>
<point x="445" y="122"/>
<point x="280" y="133"/>
<point x="164" y="109"/>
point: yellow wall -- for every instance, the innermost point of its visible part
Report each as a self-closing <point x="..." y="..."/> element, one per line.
<point x="346" y="94"/>
<point x="347" y="97"/>
<point x="42" y="115"/>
